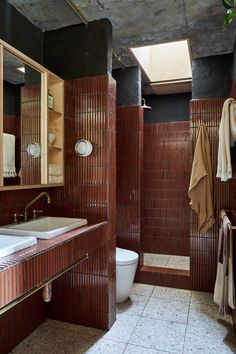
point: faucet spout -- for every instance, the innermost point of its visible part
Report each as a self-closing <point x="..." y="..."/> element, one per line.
<point x="33" y="201"/>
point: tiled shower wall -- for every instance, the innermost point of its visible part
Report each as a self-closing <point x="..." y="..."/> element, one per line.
<point x="129" y="169"/>
<point x="165" y="203"/>
<point x="203" y="248"/>
<point x="86" y="194"/>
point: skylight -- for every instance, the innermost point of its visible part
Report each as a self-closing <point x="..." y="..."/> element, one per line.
<point x="165" y="63"/>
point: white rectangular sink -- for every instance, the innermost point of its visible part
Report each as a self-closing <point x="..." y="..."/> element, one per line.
<point x="45" y="227"/>
<point x="11" y="244"/>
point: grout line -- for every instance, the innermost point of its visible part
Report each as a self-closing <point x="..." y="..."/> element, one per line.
<point x="187" y="320"/>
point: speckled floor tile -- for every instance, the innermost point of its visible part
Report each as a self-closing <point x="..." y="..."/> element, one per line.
<point x="58" y="338"/>
<point x="133" y="306"/>
<point x="155" y="260"/>
<point x="178" y="262"/>
<point x="160" y="335"/>
<point x="142" y="289"/>
<point x="176" y="311"/>
<point x="201" y="314"/>
<point x="106" y="346"/>
<point x="202" y="297"/>
<point x="122" y="328"/>
<point x="135" y="349"/>
<point x="218" y="339"/>
<point x="171" y="293"/>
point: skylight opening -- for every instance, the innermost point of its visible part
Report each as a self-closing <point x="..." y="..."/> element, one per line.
<point x="165" y="62"/>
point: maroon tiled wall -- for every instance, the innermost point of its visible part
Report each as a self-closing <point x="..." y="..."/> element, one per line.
<point x="129" y="168"/>
<point x="203" y="248"/>
<point x="20" y="321"/>
<point x="89" y="192"/>
<point x="165" y="203"/>
<point x="30" y="132"/>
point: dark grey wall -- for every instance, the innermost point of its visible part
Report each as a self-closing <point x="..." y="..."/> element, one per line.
<point x="167" y="108"/>
<point x="212" y="76"/>
<point x="128" y="86"/>
<point x="79" y="50"/>
<point x="234" y="63"/>
<point x="19" y="32"/>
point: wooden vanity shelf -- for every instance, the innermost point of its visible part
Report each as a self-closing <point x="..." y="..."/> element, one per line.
<point x="55" y="125"/>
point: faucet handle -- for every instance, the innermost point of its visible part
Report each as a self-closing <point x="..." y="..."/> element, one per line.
<point x="35" y="211"/>
<point x="15" y="217"/>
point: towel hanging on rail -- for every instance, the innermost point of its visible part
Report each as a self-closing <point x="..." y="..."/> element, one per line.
<point x="224" y="292"/>
<point x="227" y="138"/>
<point x="200" y="188"/>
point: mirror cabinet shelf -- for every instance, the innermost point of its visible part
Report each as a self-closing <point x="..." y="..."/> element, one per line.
<point x="31" y="123"/>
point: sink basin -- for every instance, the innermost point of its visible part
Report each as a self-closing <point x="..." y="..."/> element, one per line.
<point x="11" y="244"/>
<point x="45" y="227"/>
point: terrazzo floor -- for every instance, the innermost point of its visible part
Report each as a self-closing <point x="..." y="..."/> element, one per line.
<point x="166" y="261"/>
<point x="155" y="320"/>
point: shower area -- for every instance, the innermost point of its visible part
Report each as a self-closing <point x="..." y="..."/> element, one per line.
<point x="153" y="172"/>
<point x="164" y="195"/>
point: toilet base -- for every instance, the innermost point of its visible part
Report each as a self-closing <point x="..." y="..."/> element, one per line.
<point x="124" y="281"/>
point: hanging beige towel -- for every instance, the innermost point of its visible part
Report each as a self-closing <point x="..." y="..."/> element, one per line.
<point x="9" y="168"/>
<point x="224" y="292"/>
<point x="227" y="138"/>
<point x="200" y="188"/>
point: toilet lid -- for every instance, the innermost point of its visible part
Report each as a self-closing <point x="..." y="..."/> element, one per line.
<point x="124" y="257"/>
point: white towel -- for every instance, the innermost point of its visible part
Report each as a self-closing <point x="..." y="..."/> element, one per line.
<point x="9" y="168"/>
<point x="55" y="170"/>
<point x="224" y="293"/>
<point x="55" y="179"/>
<point x="227" y="138"/>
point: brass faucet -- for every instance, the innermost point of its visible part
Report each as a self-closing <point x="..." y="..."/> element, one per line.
<point x="33" y="201"/>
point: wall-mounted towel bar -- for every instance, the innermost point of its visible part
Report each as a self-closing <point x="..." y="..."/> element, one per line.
<point x="223" y="213"/>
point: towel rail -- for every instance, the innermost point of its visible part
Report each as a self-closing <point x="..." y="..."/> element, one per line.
<point x="223" y="213"/>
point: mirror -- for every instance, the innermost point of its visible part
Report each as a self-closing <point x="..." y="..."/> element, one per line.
<point x="21" y="122"/>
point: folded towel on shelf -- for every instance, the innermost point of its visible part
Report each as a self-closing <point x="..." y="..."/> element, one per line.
<point x="9" y="167"/>
<point x="227" y="138"/>
<point x="55" y="170"/>
<point x="224" y="292"/>
<point x="200" y="188"/>
<point x="55" y="179"/>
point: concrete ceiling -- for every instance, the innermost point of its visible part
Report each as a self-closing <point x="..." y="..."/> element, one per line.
<point x="141" y="22"/>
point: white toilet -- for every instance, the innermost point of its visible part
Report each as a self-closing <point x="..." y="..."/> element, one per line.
<point x="126" y="264"/>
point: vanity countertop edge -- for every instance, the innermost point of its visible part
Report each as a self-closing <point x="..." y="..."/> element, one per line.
<point x="24" y="270"/>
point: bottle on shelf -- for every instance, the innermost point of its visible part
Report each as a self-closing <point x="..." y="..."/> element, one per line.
<point x="50" y="100"/>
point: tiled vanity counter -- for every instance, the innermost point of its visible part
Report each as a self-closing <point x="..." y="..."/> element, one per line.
<point x="84" y="294"/>
<point x="26" y="270"/>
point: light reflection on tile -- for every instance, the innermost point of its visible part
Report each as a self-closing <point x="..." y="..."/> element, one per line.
<point x="167" y="261"/>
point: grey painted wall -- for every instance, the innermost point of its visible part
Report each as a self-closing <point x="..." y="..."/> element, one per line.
<point x="234" y="63"/>
<point x="167" y="108"/>
<point x="79" y="50"/>
<point x="128" y="86"/>
<point x="19" y="32"/>
<point x="212" y="76"/>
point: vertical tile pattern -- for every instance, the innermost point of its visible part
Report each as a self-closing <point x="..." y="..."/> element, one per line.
<point x="30" y="133"/>
<point x="20" y="321"/>
<point x="90" y="192"/>
<point x="129" y="168"/>
<point x="165" y="203"/>
<point x="203" y="248"/>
